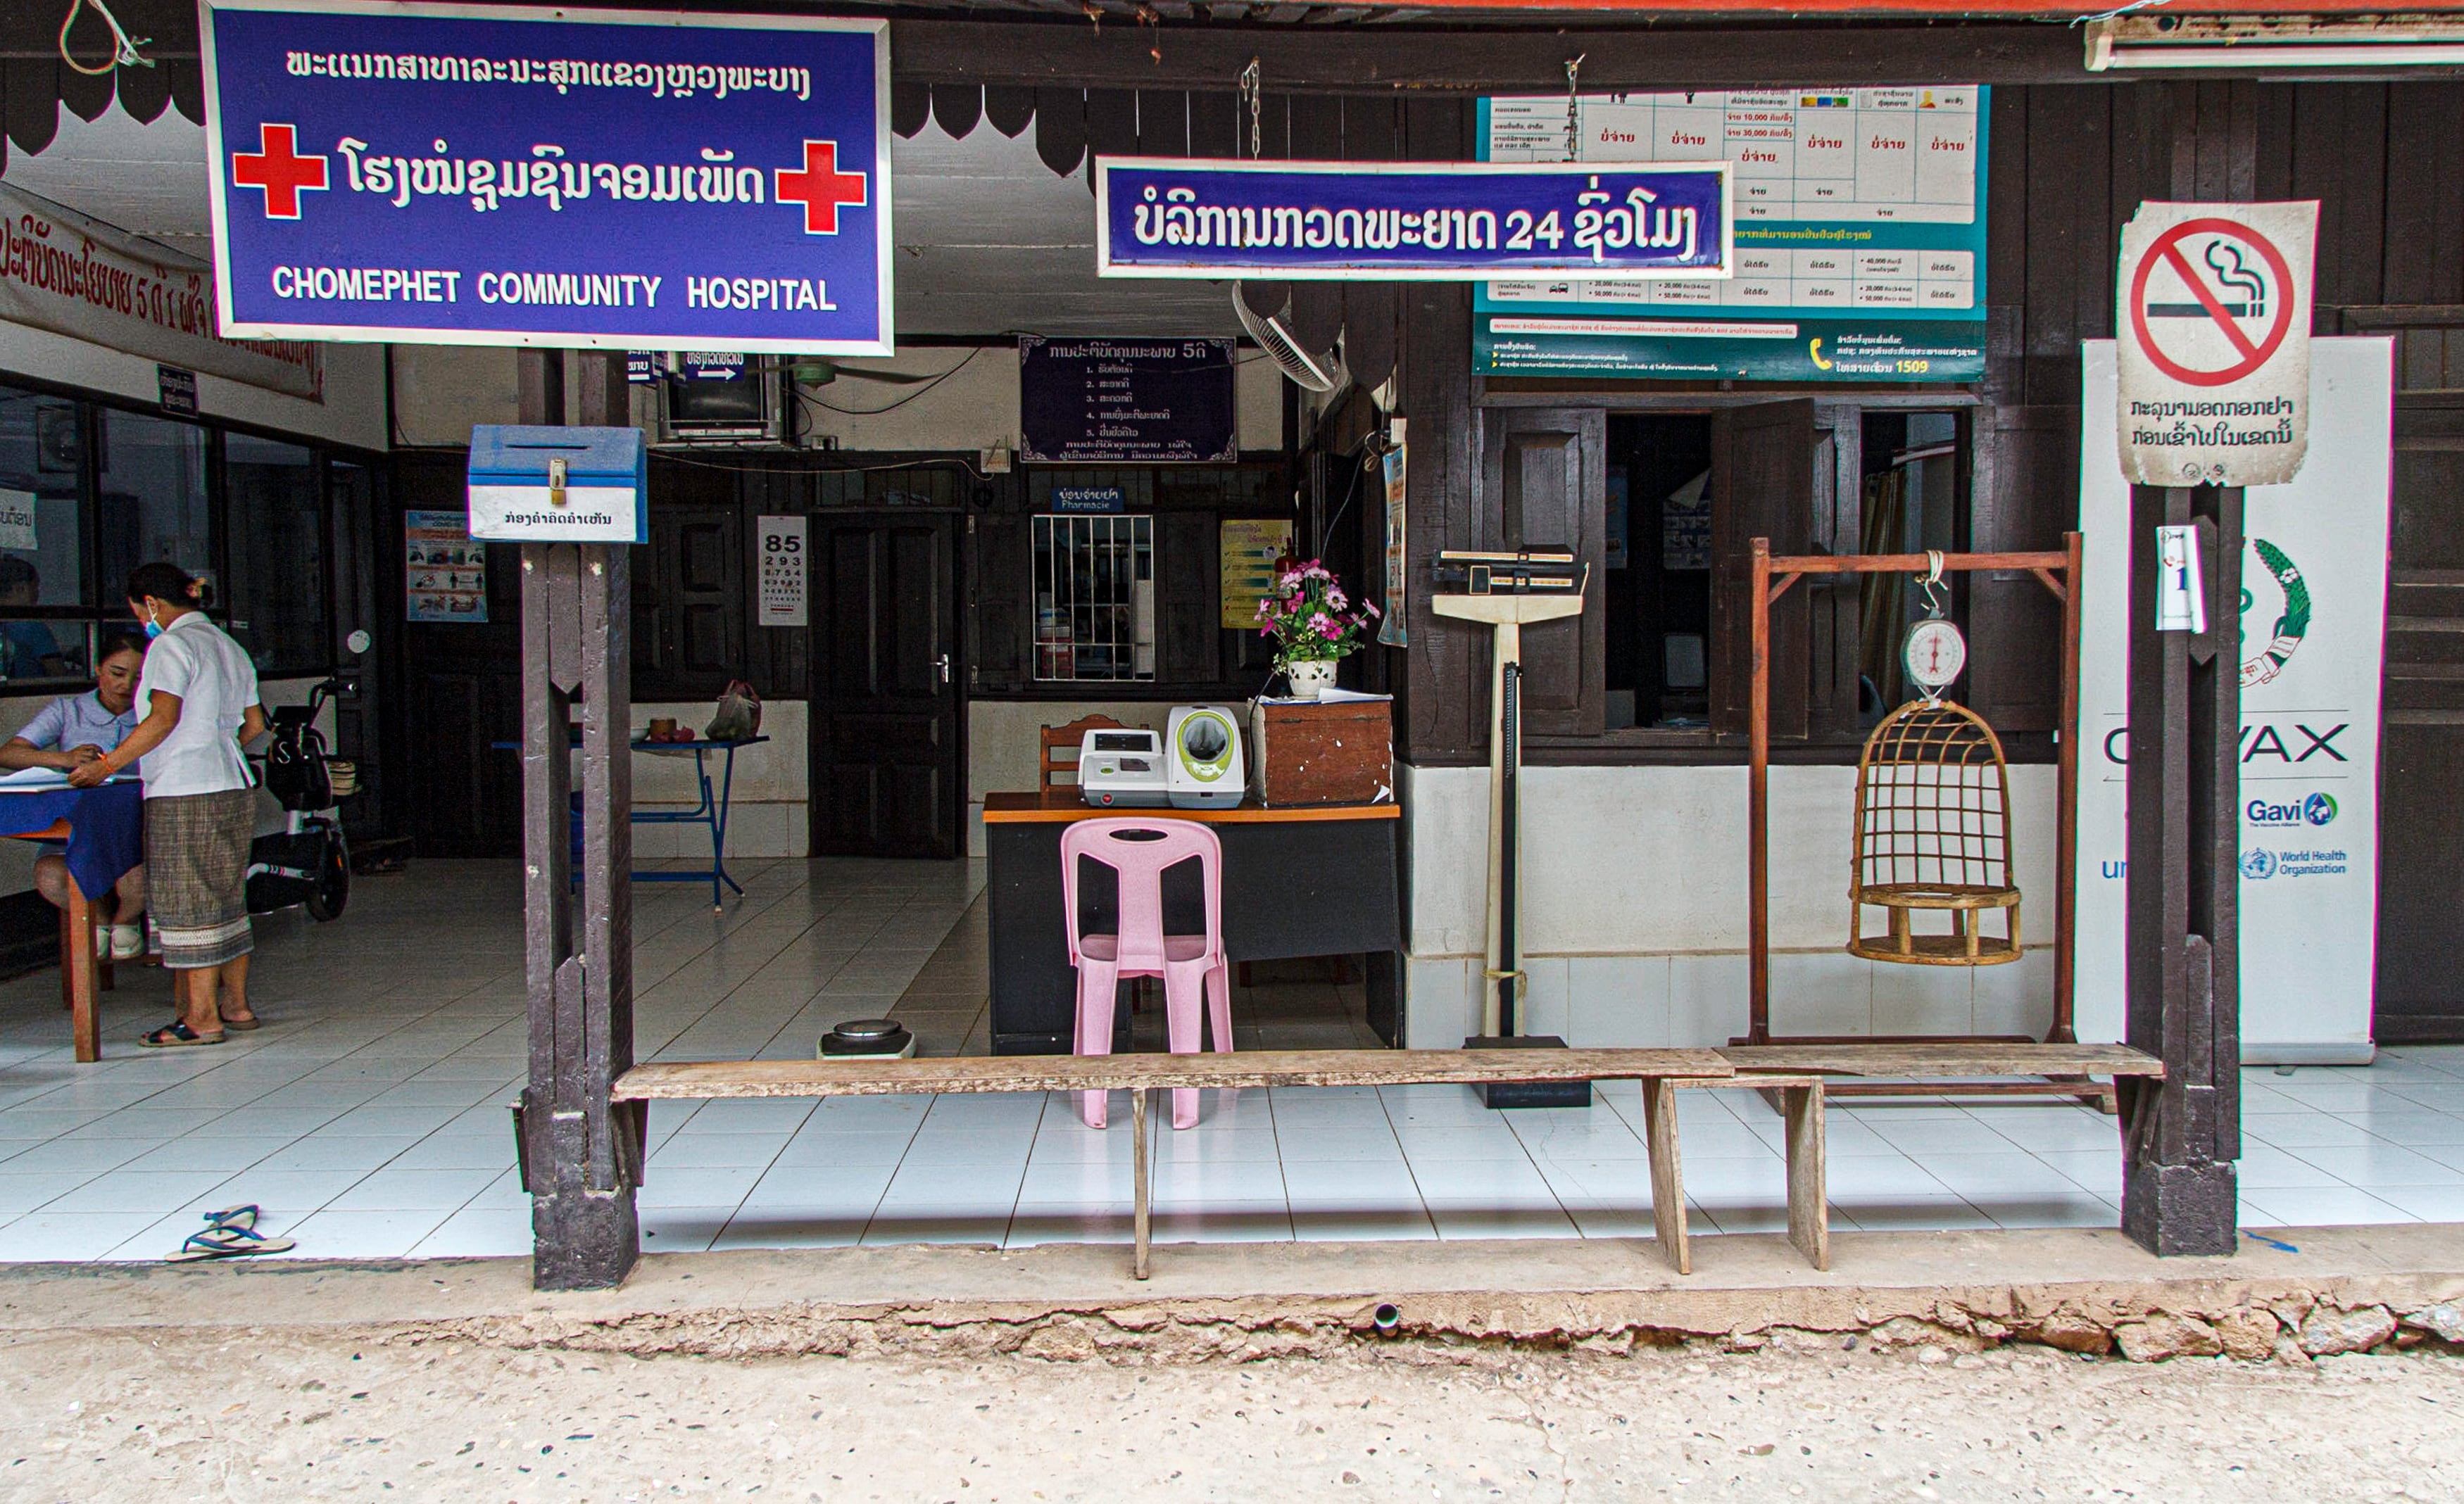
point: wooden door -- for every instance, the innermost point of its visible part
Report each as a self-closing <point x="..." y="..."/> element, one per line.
<point x="887" y="769"/>
<point x="1762" y="485"/>
<point x="461" y="686"/>
<point x="2420" y="993"/>
<point x="1548" y="469"/>
<point x="689" y="605"/>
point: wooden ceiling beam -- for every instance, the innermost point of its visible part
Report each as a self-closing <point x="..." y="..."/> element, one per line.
<point x="1367" y="59"/>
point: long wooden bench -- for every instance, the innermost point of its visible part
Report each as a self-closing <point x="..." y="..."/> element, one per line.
<point x="1917" y="1062"/>
<point x="1662" y="1072"/>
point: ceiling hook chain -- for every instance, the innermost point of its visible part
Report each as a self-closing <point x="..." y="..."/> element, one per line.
<point x="1250" y="91"/>
<point x="1574" y="105"/>
<point x="123" y="47"/>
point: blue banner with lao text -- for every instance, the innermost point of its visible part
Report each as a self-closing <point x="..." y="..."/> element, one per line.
<point x="475" y="175"/>
<point x="1456" y="221"/>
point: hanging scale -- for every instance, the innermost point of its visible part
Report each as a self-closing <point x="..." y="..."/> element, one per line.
<point x="1933" y="653"/>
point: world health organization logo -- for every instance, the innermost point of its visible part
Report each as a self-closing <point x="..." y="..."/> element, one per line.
<point x="2319" y="809"/>
<point x="2257" y="863"/>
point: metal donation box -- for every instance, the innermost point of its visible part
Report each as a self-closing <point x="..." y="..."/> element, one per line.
<point x="553" y="485"/>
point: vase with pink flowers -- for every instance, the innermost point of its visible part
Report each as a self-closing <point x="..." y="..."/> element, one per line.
<point x="1314" y="625"/>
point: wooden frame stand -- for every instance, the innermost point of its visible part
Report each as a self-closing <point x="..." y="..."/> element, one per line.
<point x="2059" y="573"/>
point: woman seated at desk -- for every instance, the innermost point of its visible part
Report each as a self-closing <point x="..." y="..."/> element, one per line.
<point x="68" y="734"/>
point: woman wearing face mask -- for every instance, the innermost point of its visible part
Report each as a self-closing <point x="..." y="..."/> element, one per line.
<point x="199" y="700"/>
<point x="70" y="732"/>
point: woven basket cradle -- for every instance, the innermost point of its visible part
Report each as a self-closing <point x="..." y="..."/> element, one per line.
<point x="1933" y="833"/>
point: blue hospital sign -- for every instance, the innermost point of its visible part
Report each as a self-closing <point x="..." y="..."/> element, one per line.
<point x="475" y="175"/>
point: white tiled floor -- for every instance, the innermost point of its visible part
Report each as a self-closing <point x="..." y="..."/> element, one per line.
<point x="368" y="1117"/>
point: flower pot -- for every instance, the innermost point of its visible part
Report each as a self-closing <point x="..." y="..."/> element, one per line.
<point x="1310" y="677"/>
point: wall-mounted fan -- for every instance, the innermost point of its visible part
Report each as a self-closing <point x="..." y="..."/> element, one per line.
<point x="1309" y="370"/>
<point x="814" y="371"/>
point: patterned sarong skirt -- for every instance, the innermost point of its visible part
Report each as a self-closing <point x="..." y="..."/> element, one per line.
<point x="196" y="875"/>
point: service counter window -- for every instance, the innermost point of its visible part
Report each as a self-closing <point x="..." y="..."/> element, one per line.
<point x="275" y="507"/>
<point x="1094" y="597"/>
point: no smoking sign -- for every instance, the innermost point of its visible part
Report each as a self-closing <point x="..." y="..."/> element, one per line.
<point x="2214" y="346"/>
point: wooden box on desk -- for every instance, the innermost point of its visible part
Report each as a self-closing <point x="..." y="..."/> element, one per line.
<point x="1322" y="751"/>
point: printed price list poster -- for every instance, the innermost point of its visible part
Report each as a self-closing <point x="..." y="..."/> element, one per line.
<point x="1859" y="216"/>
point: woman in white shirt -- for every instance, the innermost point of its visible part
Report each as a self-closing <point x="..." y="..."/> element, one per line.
<point x="200" y="700"/>
<point x="78" y="729"/>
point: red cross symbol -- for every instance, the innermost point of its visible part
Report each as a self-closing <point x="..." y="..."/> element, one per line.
<point x="277" y="168"/>
<point x="820" y="187"/>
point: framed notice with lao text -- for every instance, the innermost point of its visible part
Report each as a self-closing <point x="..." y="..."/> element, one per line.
<point x="1126" y="402"/>
<point x="1860" y="239"/>
<point x="446" y="174"/>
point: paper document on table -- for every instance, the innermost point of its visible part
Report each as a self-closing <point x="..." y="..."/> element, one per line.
<point x="35" y="779"/>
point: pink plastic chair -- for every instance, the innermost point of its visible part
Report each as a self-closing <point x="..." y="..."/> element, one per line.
<point x="1195" y="973"/>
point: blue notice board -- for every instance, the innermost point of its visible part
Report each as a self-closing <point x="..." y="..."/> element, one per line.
<point x="609" y="180"/>
<point x="1860" y="240"/>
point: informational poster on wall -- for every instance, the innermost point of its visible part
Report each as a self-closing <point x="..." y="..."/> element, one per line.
<point x="2313" y="613"/>
<point x="1860" y="239"/>
<point x="780" y="600"/>
<point x="1392" y="629"/>
<point x="445" y="572"/>
<point x="1247" y="549"/>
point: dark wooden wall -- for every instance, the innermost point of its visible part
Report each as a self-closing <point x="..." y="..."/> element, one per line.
<point x="2069" y="165"/>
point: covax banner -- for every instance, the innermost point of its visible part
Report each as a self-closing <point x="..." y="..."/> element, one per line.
<point x="2311" y="656"/>
<point x="475" y="175"/>
<point x="1422" y="222"/>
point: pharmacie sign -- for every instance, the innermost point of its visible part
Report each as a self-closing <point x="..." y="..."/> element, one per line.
<point x="478" y="175"/>
<point x="2213" y="344"/>
<point x="1458" y="221"/>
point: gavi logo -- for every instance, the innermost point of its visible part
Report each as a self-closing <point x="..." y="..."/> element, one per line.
<point x="2319" y="809"/>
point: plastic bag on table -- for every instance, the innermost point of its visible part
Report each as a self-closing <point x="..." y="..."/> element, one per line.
<point x="739" y="714"/>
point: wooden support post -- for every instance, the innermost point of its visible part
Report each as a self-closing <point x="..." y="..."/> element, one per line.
<point x="1667" y="1179"/>
<point x="1142" y="1209"/>
<point x="1758" y="801"/>
<point x="2066" y="756"/>
<point x="1808" y="1202"/>
<point x="582" y="1152"/>
<point x="2182" y="885"/>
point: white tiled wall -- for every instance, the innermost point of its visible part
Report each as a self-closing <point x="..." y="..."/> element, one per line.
<point x="1635" y="905"/>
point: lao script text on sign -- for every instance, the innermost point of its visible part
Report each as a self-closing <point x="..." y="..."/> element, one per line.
<point x="610" y="180"/>
<point x="1443" y="222"/>
<point x="2215" y="342"/>
<point x="782" y="601"/>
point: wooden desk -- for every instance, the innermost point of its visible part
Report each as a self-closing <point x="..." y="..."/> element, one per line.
<point x="1296" y="882"/>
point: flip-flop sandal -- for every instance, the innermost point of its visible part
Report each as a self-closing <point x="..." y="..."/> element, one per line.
<point x="228" y="1241"/>
<point x="240" y="1216"/>
<point x="243" y="1025"/>
<point x="173" y="1036"/>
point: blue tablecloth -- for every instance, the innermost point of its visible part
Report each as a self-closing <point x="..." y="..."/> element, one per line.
<point x="106" y="827"/>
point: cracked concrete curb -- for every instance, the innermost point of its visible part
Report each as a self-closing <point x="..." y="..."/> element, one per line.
<point x="1931" y="1294"/>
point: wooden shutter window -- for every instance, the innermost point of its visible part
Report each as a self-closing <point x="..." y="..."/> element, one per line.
<point x="1544" y="477"/>
<point x="1762" y="485"/>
